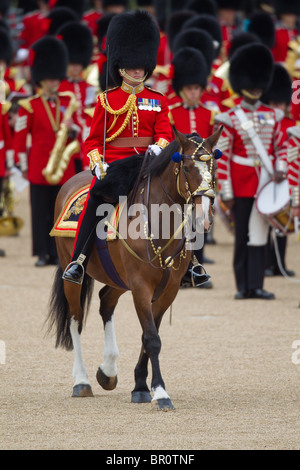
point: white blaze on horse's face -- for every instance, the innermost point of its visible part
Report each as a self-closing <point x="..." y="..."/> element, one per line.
<point x="203" y="219"/>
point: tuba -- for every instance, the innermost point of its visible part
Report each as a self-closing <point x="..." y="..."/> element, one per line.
<point x="61" y="154"/>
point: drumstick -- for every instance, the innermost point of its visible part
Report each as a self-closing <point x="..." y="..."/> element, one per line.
<point x="296" y="225"/>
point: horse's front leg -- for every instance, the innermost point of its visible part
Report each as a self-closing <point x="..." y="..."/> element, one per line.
<point x="107" y="371"/>
<point x="152" y="346"/>
<point x="82" y="386"/>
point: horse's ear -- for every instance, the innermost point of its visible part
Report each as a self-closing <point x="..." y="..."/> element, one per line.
<point x="181" y="138"/>
<point x="213" y="139"/>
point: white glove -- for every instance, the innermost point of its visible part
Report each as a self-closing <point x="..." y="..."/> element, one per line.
<point x="99" y="171"/>
<point x="154" y="149"/>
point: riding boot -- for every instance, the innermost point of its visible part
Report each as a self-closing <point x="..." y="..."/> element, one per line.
<point x="74" y="272"/>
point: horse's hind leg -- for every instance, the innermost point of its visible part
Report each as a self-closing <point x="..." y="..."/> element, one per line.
<point x="107" y="371"/>
<point x="82" y="386"/>
<point x="141" y="392"/>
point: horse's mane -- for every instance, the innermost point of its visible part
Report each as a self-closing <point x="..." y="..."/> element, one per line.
<point x="156" y="165"/>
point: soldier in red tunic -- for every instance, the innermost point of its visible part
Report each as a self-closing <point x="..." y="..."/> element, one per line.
<point x="136" y="119"/>
<point x="293" y="175"/>
<point x="250" y="150"/>
<point x="40" y="116"/>
<point x="79" y="41"/>
<point x="287" y="12"/>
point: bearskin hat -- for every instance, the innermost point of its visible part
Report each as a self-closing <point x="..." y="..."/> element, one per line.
<point x="6" y="46"/>
<point x="79" y="6"/>
<point x="110" y="3"/>
<point x="132" y="41"/>
<point x="242" y="39"/>
<point x="4" y="7"/>
<point x="230" y="4"/>
<point x="175" y="24"/>
<point x="280" y="90"/>
<point x="48" y="59"/>
<point x="165" y="8"/>
<point x="262" y="25"/>
<point x="189" y="67"/>
<point x="209" y="24"/>
<point x="287" y="6"/>
<point x="199" y="39"/>
<point x="207" y="7"/>
<point x="79" y="41"/>
<point x="58" y="17"/>
<point x="251" y="66"/>
<point x="102" y="28"/>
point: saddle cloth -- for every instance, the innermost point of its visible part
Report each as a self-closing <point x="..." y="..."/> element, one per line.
<point x="67" y="221"/>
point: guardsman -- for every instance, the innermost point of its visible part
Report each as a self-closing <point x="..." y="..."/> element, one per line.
<point x="293" y="175"/>
<point x="189" y="115"/>
<point x="279" y="96"/>
<point x="40" y="117"/>
<point x="287" y="12"/>
<point x="136" y="119"/>
<point x="229" y="20"/>
<point x="250" y="150"/>
<point x="79" y="41"/>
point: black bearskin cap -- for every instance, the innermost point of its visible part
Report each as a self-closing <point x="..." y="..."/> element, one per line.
<point x="262" y="25"/>
<point x="103" y="24"/>
<point x="175" y="24"/>
<point x="287" y="6"/>
<point x="230" y="4"/>
<point x="165" y="8"/>
<point x="6" y="46"/>
<point x="209" y="24"/>
<point x="189" y="68"/>
<point x="251" y="66"/>
<point x="59" y="17"/>
<point x="242" y="39"/>
<point x="280" y="90"/>
<point x="49" y="59"/>
<point x="132" y="41"/>
<point x="79" y="6"/>
<point x="79" y="41"/>
<point x="199" y="39"/>
<point x="207" y="7"/>
<point x="110" y="3"/>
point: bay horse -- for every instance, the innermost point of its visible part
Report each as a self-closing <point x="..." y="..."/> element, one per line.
<point x="184" y="173"/>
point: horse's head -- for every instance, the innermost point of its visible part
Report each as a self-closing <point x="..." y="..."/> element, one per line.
<point x="195" y="170"/>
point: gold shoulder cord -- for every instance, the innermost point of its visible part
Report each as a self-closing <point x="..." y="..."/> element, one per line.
<point x="129" y="107"/>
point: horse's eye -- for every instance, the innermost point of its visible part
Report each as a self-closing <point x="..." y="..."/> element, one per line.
<point x="185" y="168"/>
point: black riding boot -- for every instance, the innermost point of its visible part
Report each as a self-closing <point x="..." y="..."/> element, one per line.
<point x="74" y="272"/>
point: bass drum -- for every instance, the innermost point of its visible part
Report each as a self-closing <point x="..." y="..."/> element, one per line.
<point x="273" y="202"/>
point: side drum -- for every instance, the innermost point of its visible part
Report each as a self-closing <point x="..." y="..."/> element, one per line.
<point x="273" y="202"/>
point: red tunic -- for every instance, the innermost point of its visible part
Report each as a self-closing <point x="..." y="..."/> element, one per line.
<point x="282" y="37"/>
<point x="33" y="119"/>
<point x="238" y="165"/>
<point x="187" y="120"/>
<point x="293" y="159"/>
<point x="150" y="122"/>
<point x="33" y="28"/>
<point x="6" y="142"/>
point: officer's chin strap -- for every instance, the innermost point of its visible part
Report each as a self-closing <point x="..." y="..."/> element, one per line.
<point x="125" y="75"/>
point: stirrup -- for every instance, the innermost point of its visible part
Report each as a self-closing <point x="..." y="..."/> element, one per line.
<point x="197" y="276"/>
<point x="75" y="277"/>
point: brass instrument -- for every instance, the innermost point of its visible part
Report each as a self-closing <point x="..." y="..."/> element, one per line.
<point x="61" y="154"/>
<point x="9" y="224"/>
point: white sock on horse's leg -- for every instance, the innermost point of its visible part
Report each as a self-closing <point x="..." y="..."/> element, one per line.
<point x="79" y="370"/>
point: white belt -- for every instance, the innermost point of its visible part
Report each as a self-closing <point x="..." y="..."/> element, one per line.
<point x="1" y="144"/>
<point x="246" y="161"/>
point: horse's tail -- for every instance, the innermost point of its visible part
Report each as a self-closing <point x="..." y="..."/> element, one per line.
<point x="58" y="315"/>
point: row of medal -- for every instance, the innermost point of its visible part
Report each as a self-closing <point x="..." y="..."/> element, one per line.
<point x="149" y="104"/>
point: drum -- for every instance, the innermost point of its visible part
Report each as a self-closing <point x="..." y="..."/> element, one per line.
<point x="273" y="202"/>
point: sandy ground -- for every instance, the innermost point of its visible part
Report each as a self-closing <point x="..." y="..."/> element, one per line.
<point x="229" y="366"/>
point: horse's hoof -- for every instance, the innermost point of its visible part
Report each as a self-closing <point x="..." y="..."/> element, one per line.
<point x="163" y="404"/>
<point x="108" y="383"/>
<point x="82" y="390"/>
<point x="140" y="397"/>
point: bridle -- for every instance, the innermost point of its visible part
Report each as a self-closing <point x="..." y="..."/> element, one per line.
<point x="206" y="187"/>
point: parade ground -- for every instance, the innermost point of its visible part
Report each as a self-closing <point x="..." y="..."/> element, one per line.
<point x="231" y="367"/>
